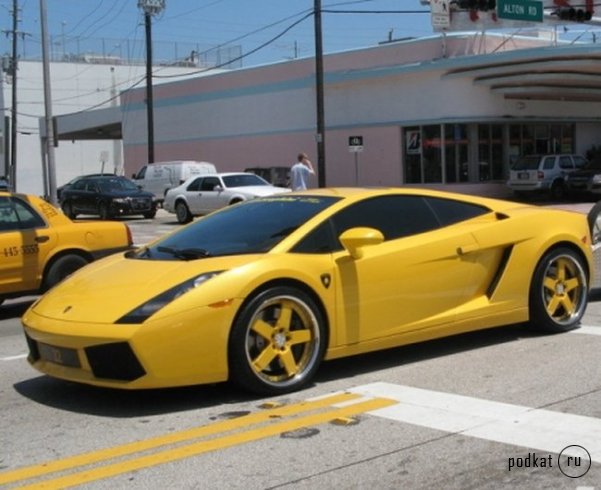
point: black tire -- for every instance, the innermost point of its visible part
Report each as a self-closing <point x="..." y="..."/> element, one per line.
<point x="68" y="210"/>
<point x="559" y="291"/>
<point x="104" y="211"/>
<point x="150" y="214"/>
<point x="235" y="201"/>
<point x="277" y="342"/>
<point x="594" y="223"/>
<point x="558" y="190"/>
<point x="61" y="268"/>
<point x="182" y="212"/>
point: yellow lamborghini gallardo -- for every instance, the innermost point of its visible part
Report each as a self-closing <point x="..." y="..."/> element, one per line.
<point x="261" y="292"/>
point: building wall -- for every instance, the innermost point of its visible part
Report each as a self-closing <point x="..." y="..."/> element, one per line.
<point x="74" y="87"/>
<point x="263" y="116"/>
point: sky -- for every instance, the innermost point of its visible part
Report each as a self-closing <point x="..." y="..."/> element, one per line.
<point x="265" y="30"/>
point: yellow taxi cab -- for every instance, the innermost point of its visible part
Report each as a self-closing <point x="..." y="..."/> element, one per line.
<point x="40" y="246"/>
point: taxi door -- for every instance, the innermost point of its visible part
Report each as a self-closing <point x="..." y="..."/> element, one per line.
<point x="25" y="242"/>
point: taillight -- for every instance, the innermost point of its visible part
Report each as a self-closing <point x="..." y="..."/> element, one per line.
<point x="541" y="175"/>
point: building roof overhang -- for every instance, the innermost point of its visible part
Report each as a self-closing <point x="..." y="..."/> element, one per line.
<point x="559" y="74"/>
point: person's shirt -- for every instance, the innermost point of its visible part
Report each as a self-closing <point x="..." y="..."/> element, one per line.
<point x="299" y="174"/>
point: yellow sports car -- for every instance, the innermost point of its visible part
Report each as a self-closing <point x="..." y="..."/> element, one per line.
<point x="39" y="246"/>
<point x="261" y="292"/>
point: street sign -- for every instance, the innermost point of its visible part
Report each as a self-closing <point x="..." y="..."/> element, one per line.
<point x="528" y="10"/>
<point x="355" y="144"/>
<point x="440" y="14"/>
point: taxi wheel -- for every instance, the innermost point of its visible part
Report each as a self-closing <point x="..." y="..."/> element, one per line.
<point x="182" y="212"/>
<point x="103" y="211"/>
<point x="277" y="342"/>
<point x="559" y="291"/>
<point x="68" y="210"/>
<point x="61" y="268"/>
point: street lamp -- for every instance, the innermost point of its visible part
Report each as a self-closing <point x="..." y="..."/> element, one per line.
<point x="150" y="8"/>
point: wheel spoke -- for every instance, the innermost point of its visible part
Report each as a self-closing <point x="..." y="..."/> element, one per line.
<point x="263" y="328"/>
<point x="299" y="337"/>
<point x="553" y="305"/>
<point x="549" y="283"/>
<point x="285" y="317"/>
<point x="264" y="358"/>
<point x="567" y="304"/>
<point x="289" y="363"/>
<point x="572" y="284"/>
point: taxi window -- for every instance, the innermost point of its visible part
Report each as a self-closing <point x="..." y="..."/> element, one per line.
<point x="17" y="215"/>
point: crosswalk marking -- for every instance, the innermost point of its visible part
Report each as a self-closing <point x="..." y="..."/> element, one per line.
<point x="493" y="421"/>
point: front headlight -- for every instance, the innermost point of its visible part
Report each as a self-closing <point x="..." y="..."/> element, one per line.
<point x="120" y="200"/>
<point x="144" y="311"/>
<point x="597" y="179"/>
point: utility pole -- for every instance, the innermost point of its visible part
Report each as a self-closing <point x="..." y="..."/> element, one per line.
<point x="150" y="8"/>
<point x="48" y="142"/>
<point x="320" y="136"/>
<point x="12" y="71"/>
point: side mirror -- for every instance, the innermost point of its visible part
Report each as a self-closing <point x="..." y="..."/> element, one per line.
<point x="217" y="188"/>
<point x="355" y="239"/>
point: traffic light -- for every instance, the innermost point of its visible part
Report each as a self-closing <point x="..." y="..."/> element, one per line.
<point x="482" y="5"/>
<point x="565" y="11"/>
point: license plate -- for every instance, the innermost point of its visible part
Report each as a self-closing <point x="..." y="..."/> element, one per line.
<point x="59" y="355"/>
<point x="523" y="175"/>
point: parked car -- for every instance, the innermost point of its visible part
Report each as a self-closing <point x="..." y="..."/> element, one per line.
<point x="532" y="174"/>
<point x="261" y="292"/>
<point x="585" y="182"/>
<point x="159" y="177"/>
<point x="202" y="195"/>
<point x="59" y="190"/>
<point x="278" y="176"/>
<point x="107" y="196"/>
<point x="40" y="246"/>
<point x="4" y="185"/>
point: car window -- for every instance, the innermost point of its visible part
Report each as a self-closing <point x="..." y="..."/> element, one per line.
<point x="526" y="163"/>
<point x="92" y="187"/>
<point x="394" y="216"/>
<point x="549" y="163"/>
<point x="251" y="227"/>
<point x="15" y="214"/>
<point x="565" y="162"/>
<point x="195" y="185"/>
<point x="209" y="183"/>
<point x="579" y="162"/>
<point x="79" y="185"/>
<point x="243" y="180"/>
<point x="450" y="212"/>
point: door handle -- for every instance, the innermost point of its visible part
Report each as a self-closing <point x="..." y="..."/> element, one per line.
<point x="42" y="238"/>
<point x="466" y="249"/>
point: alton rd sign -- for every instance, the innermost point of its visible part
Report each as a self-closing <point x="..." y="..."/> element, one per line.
<point x="531" y="11"/>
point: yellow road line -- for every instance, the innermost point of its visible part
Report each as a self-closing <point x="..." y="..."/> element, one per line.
<point x="201" y="447"/>
<point x="154" y="442"/>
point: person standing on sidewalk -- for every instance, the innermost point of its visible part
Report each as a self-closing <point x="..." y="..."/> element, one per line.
<point x="300" y="171"/>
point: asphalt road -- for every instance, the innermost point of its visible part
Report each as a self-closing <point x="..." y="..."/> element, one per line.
<point x="493" y="409"/>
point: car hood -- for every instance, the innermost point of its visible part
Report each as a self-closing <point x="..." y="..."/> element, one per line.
<point x="585" y="173"/>
<point x="104" y="291"/>
<point x="259" y="190"/>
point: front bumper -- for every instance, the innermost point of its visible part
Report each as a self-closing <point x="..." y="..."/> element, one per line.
<point x="188" y="348"/>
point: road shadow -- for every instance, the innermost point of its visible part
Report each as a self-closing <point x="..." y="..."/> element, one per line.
<point x="113" y="403"/>
<point x="15" y="308"/>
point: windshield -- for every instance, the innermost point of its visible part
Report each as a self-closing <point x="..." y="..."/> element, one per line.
<point x="252" y="227"/>
<point x="243" y="180"/>
<point x="526" y="163"/>
<point x="110" y="185"/>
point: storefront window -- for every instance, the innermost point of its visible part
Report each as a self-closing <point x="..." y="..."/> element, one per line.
<point x="413" y="155"/>
<point x="455" y="147"/>
<point x="431" y="153"/>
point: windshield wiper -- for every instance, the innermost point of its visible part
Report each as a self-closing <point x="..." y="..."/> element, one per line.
<point x="185" y="253"/>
